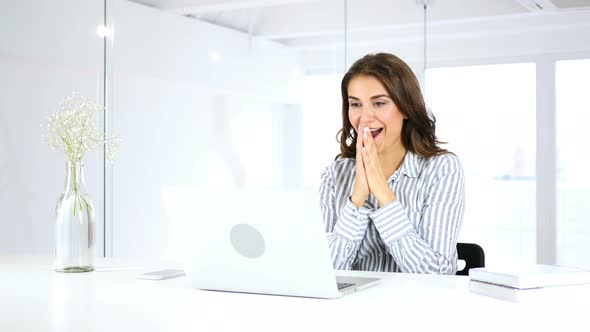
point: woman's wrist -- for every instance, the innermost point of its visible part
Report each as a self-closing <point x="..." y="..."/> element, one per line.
<point x="357" y="200"/>
<point x="385" y="197"/>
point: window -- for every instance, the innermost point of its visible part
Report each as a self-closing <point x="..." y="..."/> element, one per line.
<point x="487" y="116"/>
<point x="573" y="163"/>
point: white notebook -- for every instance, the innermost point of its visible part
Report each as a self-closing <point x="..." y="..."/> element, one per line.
<point x="532" y="276"/>
<point x="531" y="295"/>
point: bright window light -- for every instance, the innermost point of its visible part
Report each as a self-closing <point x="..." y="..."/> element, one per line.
<point x="487" y="114"/>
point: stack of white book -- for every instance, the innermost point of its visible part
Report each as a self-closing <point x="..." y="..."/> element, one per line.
<point x="533" y="276"/>
<point x="531" y="282"/>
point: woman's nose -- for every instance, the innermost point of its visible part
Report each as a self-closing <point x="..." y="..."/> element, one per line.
<point x="367" y="114"/>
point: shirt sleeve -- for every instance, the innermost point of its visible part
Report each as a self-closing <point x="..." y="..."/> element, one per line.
<point x="344" y="230"/>
<point x="428" y="243"/>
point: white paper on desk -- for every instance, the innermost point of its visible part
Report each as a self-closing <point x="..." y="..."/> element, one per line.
<point x="531" y="276"/>
<point x="553" y="295"/>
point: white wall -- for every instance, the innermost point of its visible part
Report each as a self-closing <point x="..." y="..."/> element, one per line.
<point x="187" y="120"/>
<point x="47" y="50"/>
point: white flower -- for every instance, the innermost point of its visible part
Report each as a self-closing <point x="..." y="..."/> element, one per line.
<point x="74" y="131"/>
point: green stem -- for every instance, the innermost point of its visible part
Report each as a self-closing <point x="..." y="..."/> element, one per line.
<point x="75" y="203"/>
<point x="74" y="169"/>
<point x="86" y="202"/>
<point x="79" y="198"/>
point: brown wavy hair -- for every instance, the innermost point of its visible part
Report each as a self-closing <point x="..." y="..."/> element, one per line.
<point x="403" y="88"/>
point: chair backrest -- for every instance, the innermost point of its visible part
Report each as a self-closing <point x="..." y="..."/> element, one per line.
<point x="473" y="256"/>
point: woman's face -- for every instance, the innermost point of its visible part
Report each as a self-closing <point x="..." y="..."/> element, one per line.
<point x="369" y="105"/>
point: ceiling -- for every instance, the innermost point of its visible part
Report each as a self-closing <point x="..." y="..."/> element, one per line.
<point x="316" y="27"/>
<point x="283" y="20"/>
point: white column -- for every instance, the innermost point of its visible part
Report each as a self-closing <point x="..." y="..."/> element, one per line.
<point x="546" y="163"/>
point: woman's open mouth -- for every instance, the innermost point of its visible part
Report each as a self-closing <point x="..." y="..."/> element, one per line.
<point x="376" y="132"/>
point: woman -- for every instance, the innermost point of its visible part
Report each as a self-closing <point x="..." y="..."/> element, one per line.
<point x="393" y="199"/>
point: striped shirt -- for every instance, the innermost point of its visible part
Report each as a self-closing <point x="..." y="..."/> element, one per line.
<point x="417" y="232"/>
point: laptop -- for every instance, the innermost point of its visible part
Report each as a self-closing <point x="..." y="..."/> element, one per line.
<point x="256" y="240"/>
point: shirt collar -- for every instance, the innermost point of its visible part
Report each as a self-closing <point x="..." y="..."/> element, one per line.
<point x="411" y="165"/>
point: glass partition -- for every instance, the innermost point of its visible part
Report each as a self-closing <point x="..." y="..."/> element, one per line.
<point x="211" y="99"/>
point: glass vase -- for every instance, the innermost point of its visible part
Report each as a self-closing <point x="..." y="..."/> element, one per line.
<point x="75" y="224"/>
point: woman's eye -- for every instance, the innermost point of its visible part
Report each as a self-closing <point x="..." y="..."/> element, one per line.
<point x="354" y="105"/>
<point x="380" y="103"/>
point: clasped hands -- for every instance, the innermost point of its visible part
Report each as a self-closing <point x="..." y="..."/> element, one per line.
<point x="369" y="174"/>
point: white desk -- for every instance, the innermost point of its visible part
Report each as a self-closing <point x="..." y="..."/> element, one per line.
<point x="34" y="298"/>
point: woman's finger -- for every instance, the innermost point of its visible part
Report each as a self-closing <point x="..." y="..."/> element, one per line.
<point x="369" y="143"/>
<point x="359" y="141"/>
<point x="368" y="149"/>
<point x="370" y="158"/>
<point x="359" y="152"/>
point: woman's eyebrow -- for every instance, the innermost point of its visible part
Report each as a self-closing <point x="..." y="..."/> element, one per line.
<point x="374" y="97"/>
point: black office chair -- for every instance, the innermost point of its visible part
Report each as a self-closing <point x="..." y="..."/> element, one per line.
<point x="473" y="256"/>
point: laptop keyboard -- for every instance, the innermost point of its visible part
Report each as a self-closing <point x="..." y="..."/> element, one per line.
<point x="342" y="285"/>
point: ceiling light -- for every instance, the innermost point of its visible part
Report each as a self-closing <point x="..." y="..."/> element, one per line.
<point x="215" y="56"/>
<point x="103" y="31"/>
